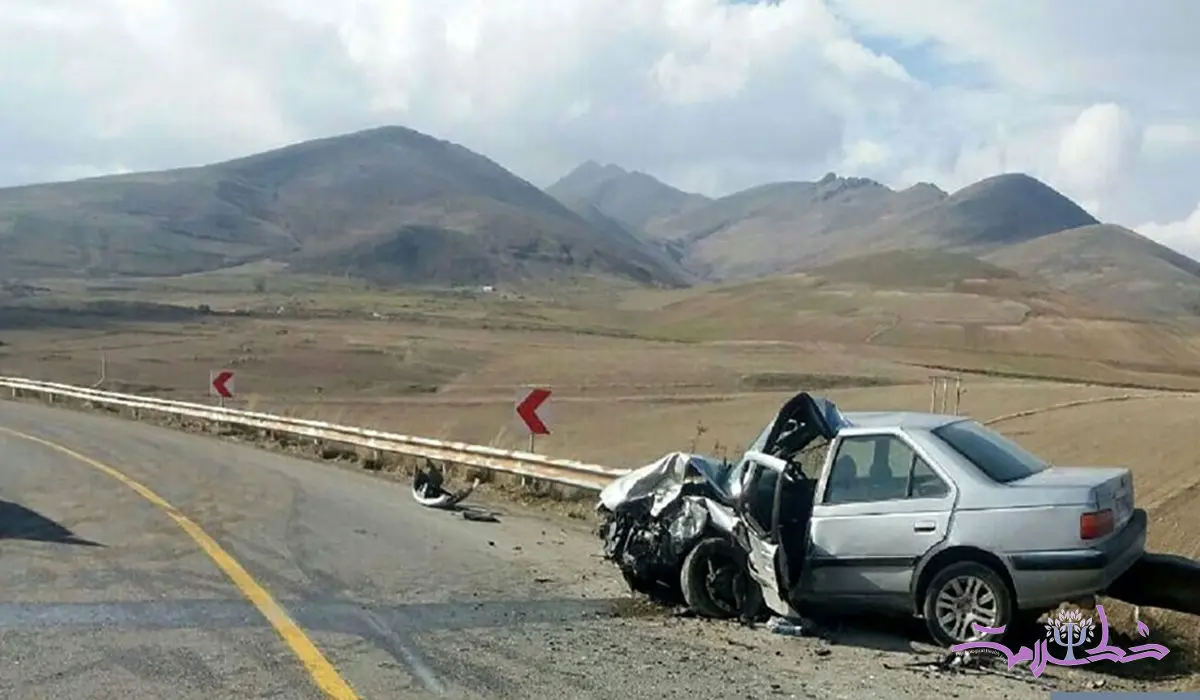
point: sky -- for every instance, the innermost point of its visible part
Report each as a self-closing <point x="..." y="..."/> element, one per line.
<point x="1098" y="98"/>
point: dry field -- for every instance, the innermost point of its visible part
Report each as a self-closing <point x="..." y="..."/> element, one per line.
<point x="645" y="373"/>
<point x="633" y="374"/>
<point x="616" y="400"/>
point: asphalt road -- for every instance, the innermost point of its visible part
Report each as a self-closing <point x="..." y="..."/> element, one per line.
<point x="139" y="562"/>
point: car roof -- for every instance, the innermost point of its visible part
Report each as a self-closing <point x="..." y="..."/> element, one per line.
<point x="897" y="419"/>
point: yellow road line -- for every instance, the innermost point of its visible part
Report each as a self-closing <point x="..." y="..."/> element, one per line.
<point x="322" y="671"/>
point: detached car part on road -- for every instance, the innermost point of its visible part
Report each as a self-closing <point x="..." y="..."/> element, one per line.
<point x="428" y="489"/>
<point x="931" y="515"/>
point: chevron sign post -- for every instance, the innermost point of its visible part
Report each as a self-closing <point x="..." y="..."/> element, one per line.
<point x="529" y="402"/>
<point x="220" y="383"/>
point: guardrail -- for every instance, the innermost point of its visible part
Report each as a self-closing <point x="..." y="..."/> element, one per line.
<point x="592" y="477"/>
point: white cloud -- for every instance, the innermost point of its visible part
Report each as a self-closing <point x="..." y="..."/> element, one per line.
<point x="865" y="156"/>
<point x="1101" y="100"/>
<point x="1099" y="150"/>
<point x="1183" y="236"/>
<point x="1166" y="138"/>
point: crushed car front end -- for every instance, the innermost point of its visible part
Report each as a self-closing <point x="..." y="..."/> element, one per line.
<point x="669" y="527"/>
<point x="673" y="526"/>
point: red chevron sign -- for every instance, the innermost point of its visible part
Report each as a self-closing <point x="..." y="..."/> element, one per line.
<point x="527" y="409"/>
<point x="221" y="383"/>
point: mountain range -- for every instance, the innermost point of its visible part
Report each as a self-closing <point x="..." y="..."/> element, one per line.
<point x="398" y="207"/>
<point x="391" y="205"/>
<point x="1012" y="221"/>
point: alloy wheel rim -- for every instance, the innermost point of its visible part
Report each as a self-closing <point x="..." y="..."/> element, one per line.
<point x="721" y="582"/>
<point x="965" y="600"/>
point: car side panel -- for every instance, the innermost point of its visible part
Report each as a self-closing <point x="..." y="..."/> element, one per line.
<point x="871" y="550"/>
<point x="1039" y="545"/>
<point x="1044" y="578"/>
<point x="868" y="552"/>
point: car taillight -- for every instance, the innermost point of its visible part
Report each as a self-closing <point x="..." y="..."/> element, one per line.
<point x="1093" y="525"/>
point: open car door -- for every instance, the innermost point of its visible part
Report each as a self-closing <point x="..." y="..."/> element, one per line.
<point x="775" y="497"/>
<point x="761" y="474"/>
<point x="802" y="420"/>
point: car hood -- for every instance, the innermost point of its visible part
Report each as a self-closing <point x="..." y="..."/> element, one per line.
<point x="664" y="480"/>
<point x="802" y="419"/>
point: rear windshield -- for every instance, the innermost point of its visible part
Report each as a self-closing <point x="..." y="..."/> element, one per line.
<point x="1000" y="458"/>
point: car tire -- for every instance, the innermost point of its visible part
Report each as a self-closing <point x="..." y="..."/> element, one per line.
<point x="719" y="556"/>
<point x="949" y="597"/>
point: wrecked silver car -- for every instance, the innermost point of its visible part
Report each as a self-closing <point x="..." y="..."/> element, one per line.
<point x="931" y="515"/>
<point x="673" y="528"/>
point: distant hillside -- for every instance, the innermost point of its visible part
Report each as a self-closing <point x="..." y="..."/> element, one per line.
<point x="395" y="206"/>
<point x="850" y="228"/>
<point x="795" y="225"/>
<point x="1001" y="327"/>
<point x="389" y="204"/>
<point x="788" y="225"/>
<point x="599" y="220"/>
<point x="997" y="211"/>
<point x="635" y="200"/>
<point x="901" y="269"/>
<point x="924" y="269"/>
<point x="1112" y="266"/>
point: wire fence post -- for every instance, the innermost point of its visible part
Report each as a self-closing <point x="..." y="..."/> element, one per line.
<point x="941" y="400"/>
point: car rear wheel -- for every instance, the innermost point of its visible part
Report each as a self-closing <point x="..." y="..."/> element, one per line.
<point x="964" y="594"/>
<point x="716" y="583"/>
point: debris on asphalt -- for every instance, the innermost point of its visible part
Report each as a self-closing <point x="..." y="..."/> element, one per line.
<point x="682" y="611"/>
<point x="479" y="516"/>
<point x="959" y="661"/>
<point x="427" y="489"/>
<point x="964" y="660"/>
<point x="968" y="662"/>
<point x="787" y="627"/>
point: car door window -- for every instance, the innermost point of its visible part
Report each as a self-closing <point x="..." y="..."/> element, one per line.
<point x="879" y="468"/>
<point x="925" y="482"/>
<point x="758" y="496"/>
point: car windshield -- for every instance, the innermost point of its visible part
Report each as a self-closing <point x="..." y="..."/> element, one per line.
<point x="1001" y="459"/>
<point x="757" y="444"/>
